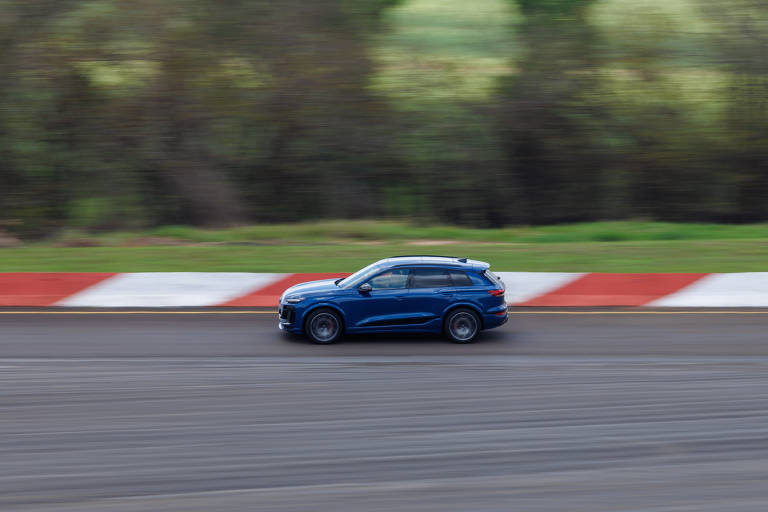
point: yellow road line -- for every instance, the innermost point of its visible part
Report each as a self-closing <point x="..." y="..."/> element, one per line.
<point x="514" y="312"/>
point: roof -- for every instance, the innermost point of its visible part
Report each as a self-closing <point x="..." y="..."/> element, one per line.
<point x="435" y="260"/>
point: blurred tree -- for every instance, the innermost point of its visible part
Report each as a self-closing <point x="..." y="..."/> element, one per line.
<point x="26" y="196"/>
<point x="662" y="140"/>
<point x="128" y="113"/>
<point x="329" y="148"/>
<point x="547" y="115"/>
<point x="742" y="41"/>
<point x="190" y="111"/>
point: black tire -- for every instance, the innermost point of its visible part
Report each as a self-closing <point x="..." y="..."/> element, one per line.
<point x="461" y="325"/>
<point x="324" y="326"/>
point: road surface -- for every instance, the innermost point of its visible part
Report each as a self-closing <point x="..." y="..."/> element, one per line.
<point x="597" y="411"/>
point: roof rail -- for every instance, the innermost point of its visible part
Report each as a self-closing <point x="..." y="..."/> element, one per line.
<point x="461" y="260"/>
<point x="424" y="256"/>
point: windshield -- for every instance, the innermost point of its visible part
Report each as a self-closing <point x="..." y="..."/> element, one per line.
<point x="359" y="276"/>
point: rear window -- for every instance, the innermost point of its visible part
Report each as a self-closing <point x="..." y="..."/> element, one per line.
<point x="459" y="278"/>
<point x="430" y="278"/>
<point x="478" y="280"/>
<point x="493" y="278"/>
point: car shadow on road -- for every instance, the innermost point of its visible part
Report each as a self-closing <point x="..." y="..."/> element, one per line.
<point x="490" y="337"/>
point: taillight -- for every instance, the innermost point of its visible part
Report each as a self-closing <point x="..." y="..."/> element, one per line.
<point x="496" y="293"/>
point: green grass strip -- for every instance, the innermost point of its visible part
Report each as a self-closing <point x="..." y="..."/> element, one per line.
<point x="643" y="256"/>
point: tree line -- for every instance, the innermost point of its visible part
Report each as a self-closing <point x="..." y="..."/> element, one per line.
<point x="124" y="114"/>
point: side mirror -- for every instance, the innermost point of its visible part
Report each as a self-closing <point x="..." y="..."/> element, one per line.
<point x="365" y="288"/>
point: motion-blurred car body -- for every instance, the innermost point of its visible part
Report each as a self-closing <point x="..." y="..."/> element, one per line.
<point x="456" y="296"/>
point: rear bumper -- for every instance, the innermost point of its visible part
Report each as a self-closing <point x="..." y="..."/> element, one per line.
<point x="495" y="320"/>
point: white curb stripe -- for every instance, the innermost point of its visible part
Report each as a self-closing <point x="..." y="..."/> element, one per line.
<point x="524" y="286"/>
<point x="747" y="289"/>
<point x="170" y="289"/>
<point x="180" y="289"/>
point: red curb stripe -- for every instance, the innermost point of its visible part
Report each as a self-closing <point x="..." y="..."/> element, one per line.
<point x="44" y="288"/>
<point x="270" y="295"/>
<point x="614" y="290"/>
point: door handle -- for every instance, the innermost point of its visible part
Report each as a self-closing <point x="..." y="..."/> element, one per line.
<point x="399" y="297"/>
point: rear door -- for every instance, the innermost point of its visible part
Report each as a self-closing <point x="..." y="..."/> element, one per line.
<point x="431" y="292"/>
<point x="472" y="288"/>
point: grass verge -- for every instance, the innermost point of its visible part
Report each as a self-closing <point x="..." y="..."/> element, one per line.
<point x="392" y="232"/>
<point x="642" y="256"/>
<point x="342" y="246"/>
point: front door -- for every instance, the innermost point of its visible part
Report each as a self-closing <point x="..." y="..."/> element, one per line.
<point x="382" y="306"/>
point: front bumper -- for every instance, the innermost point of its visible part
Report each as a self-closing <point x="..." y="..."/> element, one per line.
<point x="286" y="319"/>
<point x="286" y="315"/>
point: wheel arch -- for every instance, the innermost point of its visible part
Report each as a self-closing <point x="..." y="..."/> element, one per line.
<point x="323" y="305"/>
<point x="464" y="305"/>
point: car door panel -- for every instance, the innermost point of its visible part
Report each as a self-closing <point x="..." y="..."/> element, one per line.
<point x="381" y="306"/>
<point x="428" y="302"/>
<point x="399" y="319"/>
<point x="430" y="293"/>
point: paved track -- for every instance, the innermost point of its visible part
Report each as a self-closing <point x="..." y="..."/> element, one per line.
<point x="255" y="334"/>
<point x="188" y="413"/>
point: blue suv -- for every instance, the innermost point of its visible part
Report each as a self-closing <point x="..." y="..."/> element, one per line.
<point x="456" y="296"/>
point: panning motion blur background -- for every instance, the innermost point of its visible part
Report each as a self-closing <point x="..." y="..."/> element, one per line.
<point x="122" y="114"/>
<point x="134" y="123"/>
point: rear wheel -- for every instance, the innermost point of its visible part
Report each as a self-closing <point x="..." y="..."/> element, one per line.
<point x="462" y="325"/>
<point x="324" y="326"/>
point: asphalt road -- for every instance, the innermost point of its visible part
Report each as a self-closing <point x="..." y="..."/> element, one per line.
<point x="216" y="412"/>
<point x="254" y="334"/>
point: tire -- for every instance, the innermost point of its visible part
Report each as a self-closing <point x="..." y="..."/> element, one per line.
<point x="462" y="325"/>
<point x="324" y="326"/>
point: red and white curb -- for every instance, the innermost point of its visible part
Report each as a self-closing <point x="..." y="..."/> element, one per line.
<point x="541" y="289"/>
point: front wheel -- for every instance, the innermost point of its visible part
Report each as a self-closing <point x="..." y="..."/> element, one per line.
<point x="324" y="326"/>
<point x="462" y="325"/>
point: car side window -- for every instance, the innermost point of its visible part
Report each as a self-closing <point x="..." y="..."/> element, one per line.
<point x="390" y="280"/>
<point x="459" y="278"/>
<point x="430" y="278"/>
<point x="478" y="280"/>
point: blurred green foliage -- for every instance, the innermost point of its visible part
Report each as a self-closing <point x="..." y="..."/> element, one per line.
<point x="128" y="114"/>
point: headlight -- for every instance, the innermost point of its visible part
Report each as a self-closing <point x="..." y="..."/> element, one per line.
<point x="294" y="300"/>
